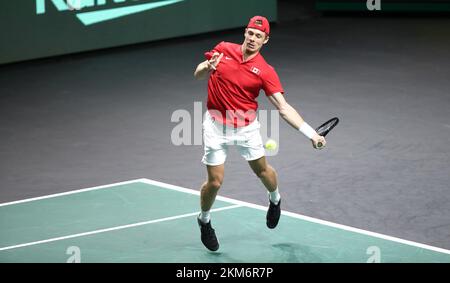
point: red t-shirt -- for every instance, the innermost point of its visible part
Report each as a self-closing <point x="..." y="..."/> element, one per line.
<point x="235" y="85"/>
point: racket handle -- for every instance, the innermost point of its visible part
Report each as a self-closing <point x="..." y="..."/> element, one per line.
<point x="319" y="144"/>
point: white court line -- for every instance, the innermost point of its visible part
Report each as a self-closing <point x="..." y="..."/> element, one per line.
<point x="74" y="192"/>
<point x="247" y="204"/>
<point x="111" y="229"/>
<point x="303" y="217"/>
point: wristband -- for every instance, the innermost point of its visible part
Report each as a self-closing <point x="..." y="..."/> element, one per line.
<point x="307" y="130"/>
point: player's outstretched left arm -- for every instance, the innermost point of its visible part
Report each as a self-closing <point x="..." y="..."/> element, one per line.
<point x="293" y="118"/>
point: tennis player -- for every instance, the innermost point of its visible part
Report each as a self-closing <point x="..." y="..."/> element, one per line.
<point x="236" y="74"/>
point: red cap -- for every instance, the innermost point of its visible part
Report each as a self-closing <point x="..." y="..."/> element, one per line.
<point x="259" y="23"/>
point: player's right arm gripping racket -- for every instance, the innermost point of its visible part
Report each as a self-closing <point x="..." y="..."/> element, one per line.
<point x="326" y="127"/>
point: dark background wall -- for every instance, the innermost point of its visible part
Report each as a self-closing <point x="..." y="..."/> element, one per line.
<point x="42" y="28"/>
<point x="386" y="5"/>
<point x="39" y="28"/>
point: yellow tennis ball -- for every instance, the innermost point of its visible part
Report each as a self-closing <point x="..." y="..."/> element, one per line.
<point x="271" y="144"/>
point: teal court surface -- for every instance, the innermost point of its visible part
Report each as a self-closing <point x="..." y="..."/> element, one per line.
<point x="148" y="221"/>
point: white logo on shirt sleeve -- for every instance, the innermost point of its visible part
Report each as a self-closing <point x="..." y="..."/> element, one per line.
<point x="256" y="70"/>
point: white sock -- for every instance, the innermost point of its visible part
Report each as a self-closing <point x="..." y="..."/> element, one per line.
<point x="204" y="216"/>
<point x="275" y="196"/>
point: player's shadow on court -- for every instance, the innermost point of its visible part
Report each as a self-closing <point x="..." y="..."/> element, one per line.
<point x="282" y="252"/>
<point x="293" y="253"/>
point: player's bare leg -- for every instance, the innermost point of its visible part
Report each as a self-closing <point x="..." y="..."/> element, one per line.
<point x="210" y="188"/>
<point x="268" y="177"/>
<point x="265" y="172"/>
<point x="208" y="195"/>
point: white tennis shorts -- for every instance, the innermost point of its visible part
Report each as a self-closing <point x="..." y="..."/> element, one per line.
<point x="217" y="137"/>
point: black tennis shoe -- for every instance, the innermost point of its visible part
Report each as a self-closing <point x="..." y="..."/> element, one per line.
<point x="208" y="237"/>
<point x="273" y="214"/>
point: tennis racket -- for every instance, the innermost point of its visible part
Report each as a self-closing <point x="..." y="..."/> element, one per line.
<point x="325" y="128"/>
